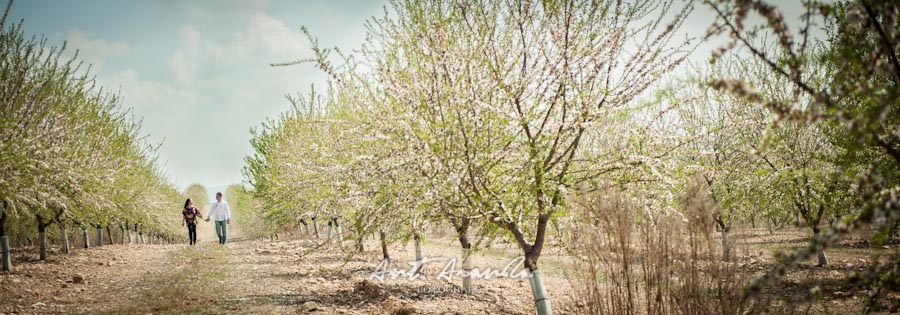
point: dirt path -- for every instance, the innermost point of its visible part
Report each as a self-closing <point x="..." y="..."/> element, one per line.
<point x="295" y="276"/>
<point x="85" y="281"/>
<point x="207" y="278"/>
<point x="109" y="279"/>
<point x="302" y="275"/>
<point x="308" y="276"/>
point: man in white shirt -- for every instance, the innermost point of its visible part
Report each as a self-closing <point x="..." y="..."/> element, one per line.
<point x="221" y="212"/>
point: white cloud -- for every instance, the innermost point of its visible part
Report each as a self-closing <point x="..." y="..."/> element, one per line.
<point x="151" y="94"/>
<point x="190" y="36"/>
<point x="275" y="38"/>
<point x="168" y="116"/>
<point x="214" y="92"/>
<point x="95" y="51"/>
<point x="182" y="68"/>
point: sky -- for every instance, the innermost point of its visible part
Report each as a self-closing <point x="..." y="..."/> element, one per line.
<point x="197" y="73"/>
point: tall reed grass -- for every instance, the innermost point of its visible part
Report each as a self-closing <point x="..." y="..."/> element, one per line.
<point x="638" y="262"/>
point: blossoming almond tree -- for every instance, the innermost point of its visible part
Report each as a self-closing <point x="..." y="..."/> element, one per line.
<point x="856" y="102"/>
<point x="514" y="87"/>
<point x="66" y="145"/>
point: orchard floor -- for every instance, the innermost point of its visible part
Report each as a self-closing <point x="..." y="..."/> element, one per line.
<point x="300" y="276"/>
<point x="294" y="276"/>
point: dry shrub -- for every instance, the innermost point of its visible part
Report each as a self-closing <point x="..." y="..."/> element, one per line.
<point x="369" y="290"/>
<point x="638" y="262"/>
<point x="395" y="306"/>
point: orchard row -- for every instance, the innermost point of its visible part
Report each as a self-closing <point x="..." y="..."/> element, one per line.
<point x="71" y="157"/>
<point x="520" y="119"/>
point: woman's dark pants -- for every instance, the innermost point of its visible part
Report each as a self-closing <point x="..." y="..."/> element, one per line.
<point x="192" y="233"/>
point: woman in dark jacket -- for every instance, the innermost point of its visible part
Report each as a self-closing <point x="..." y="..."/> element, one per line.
<point x="190" y="214"/>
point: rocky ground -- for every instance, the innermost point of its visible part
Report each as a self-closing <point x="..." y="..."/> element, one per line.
<point x="854" y="254"/>
<point x="291" y="276"/>
<point x="299" y="275"/>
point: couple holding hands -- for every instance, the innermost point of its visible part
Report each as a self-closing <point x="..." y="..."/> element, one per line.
<point x="219" y="210"/>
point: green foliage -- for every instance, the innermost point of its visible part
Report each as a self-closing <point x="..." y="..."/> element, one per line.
<point x="70" y="153"/>
<point x="845" y="94"/>
<point x="494" y="115"/>
<point x="198" y="195"/>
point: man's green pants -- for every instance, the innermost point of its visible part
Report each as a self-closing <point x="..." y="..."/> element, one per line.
<point x="221" y="231"/>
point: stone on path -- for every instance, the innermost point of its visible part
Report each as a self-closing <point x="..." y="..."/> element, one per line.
<point x="310" y="306"/>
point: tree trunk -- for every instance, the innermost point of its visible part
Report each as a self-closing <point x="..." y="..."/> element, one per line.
<point x="359" y="243"/>
<point x="42" y="240"/>
<point x="541" y="300"/>
<point x="723" y="228"/>
<point x="329" y="228"/>
<point x="124" y="230"/>
<point x="384" y="247"/>
<point x="532" y="254"/>
<point x="823" y="260"/>
<point x="87" y="242"/>
<point x="99" y="235"/>
<point x="771" y="229"/>
<point x="305" y="226"/>
<point x="7" y="259"/>
<point x="126" y="233"/>
<point x="110" y="235"/>
<point x="340" y="233"/>
<point x="419" y="255"/>
<point x="42" y="236"/>
<point x="65" y="240"/>
<point x="315" y="227"/>
<point x="726" y="248"/>
<point x="468" y="285"/>
<point x="462" y="234"/>
<point x="4" y="240"/>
